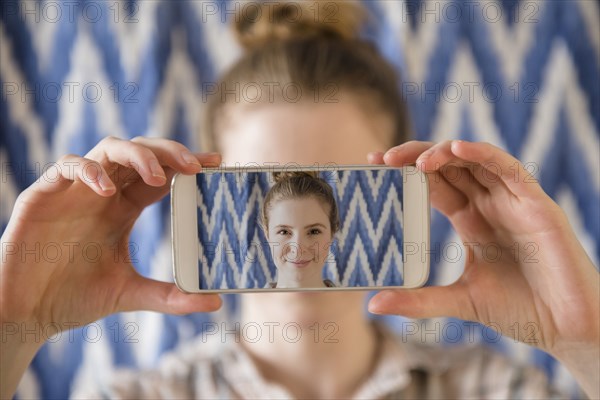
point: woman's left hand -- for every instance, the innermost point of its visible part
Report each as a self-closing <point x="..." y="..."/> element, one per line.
<point x="541" y="288"/>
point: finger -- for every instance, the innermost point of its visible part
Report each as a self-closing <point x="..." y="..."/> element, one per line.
<point x="143" y="195"/>
<point x="406" y="153"/>
<point x="414" y="152"/>
<point x="445" y="197"/>
<point x="151" y="295"/>
<point x="463" y="180"/>
<point x="456" y="171"/>
<point x="427" y="302"/>
<point x="465" y="175"/>
<point x="174" y="154"/>
<point x="113" y="151"/>
<point x="169" y="153"/>
<point x="71" y="168"/>
<point x="498" y="162"/>
<point x="482" y="175"/>
<point x="375" y="157"/>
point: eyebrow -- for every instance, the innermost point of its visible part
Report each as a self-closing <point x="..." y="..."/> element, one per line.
<point x="306" y="227"/>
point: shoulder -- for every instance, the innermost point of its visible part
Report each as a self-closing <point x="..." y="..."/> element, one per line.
<point x="177" y="374"/>
<point x="468" y="370"/>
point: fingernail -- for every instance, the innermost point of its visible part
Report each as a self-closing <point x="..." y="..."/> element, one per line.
<point x="156" y="170"/>
<point x="420" y="163"/>
<point x="388" y="154"/>
<point x="212" y="154"/>
<point x="377" y="305"/>
<point x="455" y="143"/>
<point x="106" y="186"/>
<point x="189" y="158"/>
<point x="422" y="160"/>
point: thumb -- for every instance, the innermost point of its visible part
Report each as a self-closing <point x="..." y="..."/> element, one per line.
<point x="151" y="295"/>
<point x="427" y="302"/>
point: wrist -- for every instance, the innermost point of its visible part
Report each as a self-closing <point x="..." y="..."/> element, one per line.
<point x="583" y="362"/>
<point x="19" y="343"/>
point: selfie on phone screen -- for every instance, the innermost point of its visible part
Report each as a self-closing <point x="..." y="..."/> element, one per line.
<point x="300" y="229"/>
<point x="342" y="227"/>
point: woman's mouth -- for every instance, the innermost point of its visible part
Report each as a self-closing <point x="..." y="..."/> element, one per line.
<point x="300" y="263"/>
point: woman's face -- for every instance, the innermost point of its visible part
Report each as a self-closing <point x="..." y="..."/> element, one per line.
<point x="299" y="235"/>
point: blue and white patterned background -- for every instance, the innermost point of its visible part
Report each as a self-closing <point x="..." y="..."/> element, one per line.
<point x="234" y="252"/>
<point x="519" y="74"/>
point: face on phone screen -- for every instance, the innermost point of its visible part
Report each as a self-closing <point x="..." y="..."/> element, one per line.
<point x="300" y="229"/>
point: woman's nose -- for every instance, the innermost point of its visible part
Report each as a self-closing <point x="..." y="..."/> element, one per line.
<point x="308" y="247"/>
<point x="292" y="249"/>
<point x="302" y="243"/>
<point x="296" y="247"/>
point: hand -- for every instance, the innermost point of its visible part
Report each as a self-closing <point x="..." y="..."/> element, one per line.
<point x="65" y="252"/>
<point x="86" y="207"/>
<point x="543" y="289"/>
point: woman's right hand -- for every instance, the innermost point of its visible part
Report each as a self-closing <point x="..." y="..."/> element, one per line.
<point x="65" y="252"/>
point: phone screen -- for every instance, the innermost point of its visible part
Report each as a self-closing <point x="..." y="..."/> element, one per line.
<point x="300" y="229"/>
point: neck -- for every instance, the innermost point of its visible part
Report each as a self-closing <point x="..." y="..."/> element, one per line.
<point x="294" y="279"/>
<point x="319" y="344"/>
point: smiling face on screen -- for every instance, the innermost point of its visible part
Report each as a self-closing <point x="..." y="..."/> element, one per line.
<point x="300" y="234"/>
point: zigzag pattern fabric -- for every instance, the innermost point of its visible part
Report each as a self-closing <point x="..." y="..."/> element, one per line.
<point x="520" y="74"/>
<point x="234" y="252"/>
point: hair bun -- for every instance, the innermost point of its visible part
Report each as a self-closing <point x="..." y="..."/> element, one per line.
<point x="258" y="23"/>
<point x="282" y="176"/>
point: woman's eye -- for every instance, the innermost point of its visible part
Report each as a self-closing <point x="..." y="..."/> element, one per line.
<point x="314" y="231"/>
<point x="283" y="232"/>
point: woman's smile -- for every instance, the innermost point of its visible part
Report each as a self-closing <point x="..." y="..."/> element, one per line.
<point x="300" y="264"/>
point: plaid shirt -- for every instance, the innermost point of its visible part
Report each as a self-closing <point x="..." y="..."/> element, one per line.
<point x="404" y="370"/>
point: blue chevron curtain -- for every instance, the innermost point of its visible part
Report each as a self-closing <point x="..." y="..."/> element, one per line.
<point x="235" y="254"/>
<point x="520" y="74"/>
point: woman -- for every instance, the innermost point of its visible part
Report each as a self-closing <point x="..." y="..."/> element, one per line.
<point x="299" y="215"/>
<point x="559" y="294"/>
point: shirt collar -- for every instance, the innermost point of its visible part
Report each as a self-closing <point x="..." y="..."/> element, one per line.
<point x="391" y="372"/>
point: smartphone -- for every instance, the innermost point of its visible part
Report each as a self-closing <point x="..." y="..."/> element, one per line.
<point x="306" y="228"/>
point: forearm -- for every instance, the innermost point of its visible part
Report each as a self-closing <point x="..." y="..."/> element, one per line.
<point x="581" y="353"/>
<point x="584" y="365"/>
<point x="17" y="349"/>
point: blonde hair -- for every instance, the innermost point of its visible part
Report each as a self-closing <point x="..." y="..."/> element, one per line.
<point x="314" y="46"/>
<point x="298" y="185"/>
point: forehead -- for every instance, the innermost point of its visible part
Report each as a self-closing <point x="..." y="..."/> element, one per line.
<point x="306" y="133"/>
<point x="297" y="212"/>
